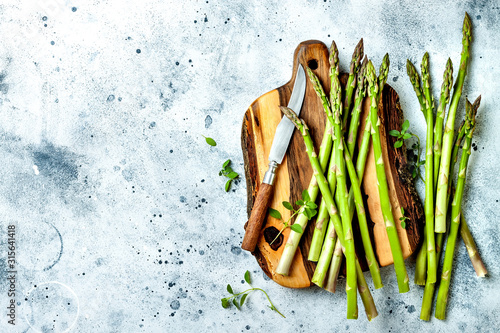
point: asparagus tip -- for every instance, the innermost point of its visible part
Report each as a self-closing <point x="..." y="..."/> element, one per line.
<point x="476" y="104"/>
<point x="334" y="55"/>
<point x="467" y="28"/>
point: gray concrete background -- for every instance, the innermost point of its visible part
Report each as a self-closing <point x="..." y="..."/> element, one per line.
<point x="123" y="223"/>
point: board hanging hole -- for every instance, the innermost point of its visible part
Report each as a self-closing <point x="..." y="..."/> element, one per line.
<point x="312" y="64"/>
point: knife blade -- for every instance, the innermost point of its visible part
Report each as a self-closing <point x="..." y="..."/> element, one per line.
<point x="280" y="144"/>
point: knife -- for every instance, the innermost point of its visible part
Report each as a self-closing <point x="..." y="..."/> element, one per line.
<point x="279" y="147"/>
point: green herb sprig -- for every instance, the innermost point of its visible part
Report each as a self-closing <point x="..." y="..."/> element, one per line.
<point x="228" y="172"/>
<point x="405" y="135"/>
<point x="401" y="135"/>
<point x="309" y="210"/>
<point x="238" y="299"/>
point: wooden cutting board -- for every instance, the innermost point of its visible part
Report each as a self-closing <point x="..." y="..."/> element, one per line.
<point x="294" y="174"/>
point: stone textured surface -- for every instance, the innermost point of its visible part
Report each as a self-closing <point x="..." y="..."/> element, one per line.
<point x="123" y="223"/>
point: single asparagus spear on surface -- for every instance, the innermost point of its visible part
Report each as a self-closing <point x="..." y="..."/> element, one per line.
<point x="429" y="169"/>
<point x="293" y="240"/>
<point x="444" y="168"/>
<point x="351" y="81"/>
<point x="438" y="126"/>
<point x="397" y="254"/>
<point x="442" y="298"/>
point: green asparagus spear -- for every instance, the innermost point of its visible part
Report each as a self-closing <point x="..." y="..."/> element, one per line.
<point x="429" y="168"/>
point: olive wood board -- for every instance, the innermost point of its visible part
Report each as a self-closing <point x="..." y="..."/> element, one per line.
<point x="294" y="173"/>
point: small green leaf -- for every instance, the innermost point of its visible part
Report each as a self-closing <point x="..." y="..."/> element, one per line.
<point x="401" y="218"/>
<point x="402" y="211"/>
<point x="405" y="126"/>
<point x="305" y="196"/>
<point x="232" y="175"/>
<point x="225" y="303"/>
<point x="227" y="170"/>
<point x="227" y="163"/>
<point x="297" y="228"/>
<point x="274" y="213"/>
<point x="403" y="224"/>
<point x="394" y="133"/>
<point x="236" y="304"/>
<point x="243" y="298"/>
<point x="299" y="202"/>
<point x="247" y="277"/>
<point x="406" y="136"/>
<point x="311" y="204"/>
<point x="309" y="213"/>
<point x="414" y="173"/>
<point x="229" y="289"/>
<point x="287" y="205"/>
<point x="398" y="144"/>
<point x="220" y="173"/>
<point x="210" y="141"/>
<point x="228" y="185"/>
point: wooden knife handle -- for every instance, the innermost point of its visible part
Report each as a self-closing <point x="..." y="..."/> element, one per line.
<point x="259" y="212"/>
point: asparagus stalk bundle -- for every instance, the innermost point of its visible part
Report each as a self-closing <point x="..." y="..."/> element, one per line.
<point x="456" y="205"/>
<point x="294" y="237"/>
<point x="347" y="242"/>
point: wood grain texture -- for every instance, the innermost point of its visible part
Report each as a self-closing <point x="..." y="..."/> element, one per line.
<point x="294" y="174"/>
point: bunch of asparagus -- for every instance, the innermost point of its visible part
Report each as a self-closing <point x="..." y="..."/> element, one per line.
<point x="333" y="235"/>
<point x="441" y="157"/>
<point x="337" y="164"/>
